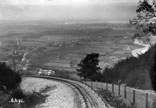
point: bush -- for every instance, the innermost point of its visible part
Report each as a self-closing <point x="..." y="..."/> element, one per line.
<point x="8" y="77"/>
<point x="32" y="99"/>
<point x="18" y="94"/>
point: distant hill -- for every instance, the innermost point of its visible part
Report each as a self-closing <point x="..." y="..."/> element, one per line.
<point x="134" y="72"/>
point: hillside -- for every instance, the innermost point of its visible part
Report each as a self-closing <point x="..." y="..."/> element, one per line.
<point x="134" y="72"/>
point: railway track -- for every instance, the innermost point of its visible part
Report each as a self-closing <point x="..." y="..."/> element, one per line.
<point x="87" y="97"/>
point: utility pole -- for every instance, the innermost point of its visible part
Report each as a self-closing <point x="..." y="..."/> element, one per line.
<point x="14" y="63"/>
<point x="13" y="59"/>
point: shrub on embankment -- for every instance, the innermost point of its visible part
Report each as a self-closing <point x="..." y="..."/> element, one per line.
<point x="9" y="79"/>
<point x="135" y="72"/>
<point x="10" y="90"/>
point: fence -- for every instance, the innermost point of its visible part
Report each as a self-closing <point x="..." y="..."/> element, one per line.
<point x="139" y="97"/>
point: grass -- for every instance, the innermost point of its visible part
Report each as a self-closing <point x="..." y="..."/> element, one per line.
<point x="115" y="101"/>
<point x="35" y="95"/>
<point x="48" y="88"/>
<point x="140" y="95"/>
<point x="4" y="103"/>
<point x="30" y="100"/>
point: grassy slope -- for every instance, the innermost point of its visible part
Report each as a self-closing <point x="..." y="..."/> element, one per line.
<point x="135" y="72"/>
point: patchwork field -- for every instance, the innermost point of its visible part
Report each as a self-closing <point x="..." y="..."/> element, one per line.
<point x="65" y="45"/>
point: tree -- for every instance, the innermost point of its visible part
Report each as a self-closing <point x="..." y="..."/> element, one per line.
<point x="145" y="21"/>
<point x="8" y="77"/>
<point x="88" y="67"/>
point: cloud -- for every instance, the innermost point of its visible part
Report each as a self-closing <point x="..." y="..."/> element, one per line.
<point x="65" y="9"/>
<point x="62" y="2"/>
<point x="43" y="2"/>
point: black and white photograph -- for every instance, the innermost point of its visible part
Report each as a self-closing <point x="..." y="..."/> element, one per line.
<point x="77" y="53"/>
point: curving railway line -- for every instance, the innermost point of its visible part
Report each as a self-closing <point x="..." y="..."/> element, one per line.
<point x="87" y="98"/>
<point x="86" y="101"/>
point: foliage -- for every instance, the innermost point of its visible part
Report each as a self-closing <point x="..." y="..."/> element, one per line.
<point x="8" y="77"/>
<point x="153" y="75"/>
<point x="115" y="101"/>
<point x="135" y="72"/>
<point x="138" y="72"/>
<point x="89" y="68"/>
<point x="145" y="21"/>
<point x="18" y="94"/>
<point x="32" y="99"/>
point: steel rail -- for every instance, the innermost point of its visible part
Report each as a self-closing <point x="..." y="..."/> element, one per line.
<point x="88" y="99"/>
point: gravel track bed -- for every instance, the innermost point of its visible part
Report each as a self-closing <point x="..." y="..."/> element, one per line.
<point x="60" y="96"/>
<point x="95" y="100"/>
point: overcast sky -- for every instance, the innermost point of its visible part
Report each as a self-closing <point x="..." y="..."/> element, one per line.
<point x="67" y="9"/>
